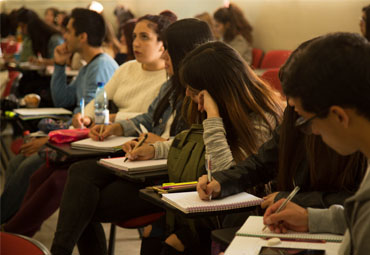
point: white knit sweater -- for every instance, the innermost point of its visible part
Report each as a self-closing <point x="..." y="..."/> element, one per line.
<point x="132" y="89"/>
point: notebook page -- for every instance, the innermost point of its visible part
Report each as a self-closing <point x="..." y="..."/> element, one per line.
<point x="242" y="245"/>
<point x="41" y="111"/>
<point x="190" y="202"/>
<point x="119" y="163"/>
<point x="254" y="225"/>
<point x="109" y="142"/>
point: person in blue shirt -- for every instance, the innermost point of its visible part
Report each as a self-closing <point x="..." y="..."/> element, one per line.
<point x="85" y="33"/>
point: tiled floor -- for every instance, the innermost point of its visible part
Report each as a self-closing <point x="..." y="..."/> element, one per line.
<point x="127" y="240"/>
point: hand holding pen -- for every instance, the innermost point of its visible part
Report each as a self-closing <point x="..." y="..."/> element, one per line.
<point x="137" y="150"/>
<point x="290" y="216"/>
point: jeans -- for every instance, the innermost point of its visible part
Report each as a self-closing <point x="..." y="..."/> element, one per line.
<point x="17" y="175"/>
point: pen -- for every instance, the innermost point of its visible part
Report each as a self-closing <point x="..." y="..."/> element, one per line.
<point x="100" y="131"/>
<point x="282" y="206"/>
<point x="209" y="172"/>
<point x="82" y="106"/>
<point x="138" y="144"/>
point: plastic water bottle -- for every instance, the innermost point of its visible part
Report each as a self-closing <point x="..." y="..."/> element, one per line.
<point x="101" y="105"/>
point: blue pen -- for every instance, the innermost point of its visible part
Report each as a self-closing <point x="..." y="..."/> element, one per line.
<point x="82" y="107"/>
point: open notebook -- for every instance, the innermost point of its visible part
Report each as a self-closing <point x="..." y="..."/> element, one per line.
<point x="110" y="144"/>
<point x="189" y="202"/>
<point x="134" y="166"/>
<point x="39" y="113"/>
<point x="254" y="225"/>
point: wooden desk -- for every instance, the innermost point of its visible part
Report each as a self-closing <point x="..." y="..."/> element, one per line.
<point x="156" y="199"/>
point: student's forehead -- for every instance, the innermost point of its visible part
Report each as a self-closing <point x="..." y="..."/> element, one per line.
<point x="145" y="26"/>
<point x="70" y="24"/>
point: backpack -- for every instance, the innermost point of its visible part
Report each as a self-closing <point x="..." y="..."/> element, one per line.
<point x="186" y="157"/>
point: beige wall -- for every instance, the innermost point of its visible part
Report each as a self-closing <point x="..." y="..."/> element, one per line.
<point x="278" y="24"/>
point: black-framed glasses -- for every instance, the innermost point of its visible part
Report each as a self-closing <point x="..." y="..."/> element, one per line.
<point x="304" y="125"/>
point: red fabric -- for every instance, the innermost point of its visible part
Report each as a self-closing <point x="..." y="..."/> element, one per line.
<point x="68" y="135"/>
<point x="10" y="47"/>
<point x="272" y="77"/>
<point x="257" y="55"/>
<point x="12" y="244"/>
<point x="275" y="58"/>
<point x="141" y="221"/>
<point x="16" y="145"/>
<point x="12" y="76"/>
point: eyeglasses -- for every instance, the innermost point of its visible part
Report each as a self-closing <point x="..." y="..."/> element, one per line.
<point x="305" y="124"/>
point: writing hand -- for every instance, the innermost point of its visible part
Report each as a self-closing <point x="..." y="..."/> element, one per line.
<point x="78" y="121"/>
<point x="107" y="130"/>
<point x="206" y="103"/>
<point x="207" y="190"/>
<point x="268" y="200"/>
<point x="61" y="54"/>
<point x="292" y="217"/>
<point x="144" y="152"/>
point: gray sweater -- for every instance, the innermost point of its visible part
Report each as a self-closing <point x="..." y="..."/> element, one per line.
<point x="353" y="219"/>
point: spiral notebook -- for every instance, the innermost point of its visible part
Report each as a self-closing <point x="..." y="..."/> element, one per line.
<point x="254" y="225"/>
<point x="142" y="166"/>
<point x="189" y="202"/>
<point x="110" y="144"/>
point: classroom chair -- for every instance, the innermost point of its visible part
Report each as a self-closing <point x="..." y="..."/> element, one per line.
<point x="12" y="244"/>
<point x="138" y="222"/>
<point x="257" y="55"/>
<point x="13" y="81"/>
<point x="272" y="77"/>
<point x="274" y="58"/>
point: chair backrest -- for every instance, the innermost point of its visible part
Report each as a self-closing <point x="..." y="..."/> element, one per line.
<point x="275" y="58"/>
<point x="257" y="55"/>
<point x="272" y="77"/>
<point x="17" y="244"/>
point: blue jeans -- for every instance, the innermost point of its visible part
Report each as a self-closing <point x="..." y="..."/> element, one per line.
<point x="17" y="176"/>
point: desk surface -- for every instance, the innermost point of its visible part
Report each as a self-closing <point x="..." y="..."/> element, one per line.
<point x="242" y="245"/>
<point x="138" y="177"/>
<point x="156" y="199"/>
<point x="66" y="149"/>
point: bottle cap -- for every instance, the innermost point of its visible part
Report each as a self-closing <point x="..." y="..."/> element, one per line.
<point x="100" y="84"/>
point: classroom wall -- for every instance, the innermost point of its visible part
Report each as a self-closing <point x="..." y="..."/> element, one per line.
<point x="278" y="24"/>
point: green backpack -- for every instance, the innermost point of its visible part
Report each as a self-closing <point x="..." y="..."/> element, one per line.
<point x="186" y="157"/>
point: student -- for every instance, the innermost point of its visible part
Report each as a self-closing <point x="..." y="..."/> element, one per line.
<point x="365" y="22"/>
<point x="83" y="37"/>
<point x="334" y="103"/>
<point x="343" y="121"/>
<point x="50" y="16"/>
<point x="215" y="77"/>
<point x="145" y="74"/>
<point x="234" y="29"/>
<point x="109" y="198"/>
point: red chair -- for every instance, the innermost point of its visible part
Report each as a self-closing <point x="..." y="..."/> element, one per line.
<point x="272" y="77"/>
<point x="14" y="77"/>
<point x="257" y="55"/>
<point x="137" y="222"/>
<point x="275" y="59"/>
<point x="12" y="244"/>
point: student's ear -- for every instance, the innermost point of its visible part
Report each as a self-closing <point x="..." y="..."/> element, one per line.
<point x="83" y="37"/>
<point x="340" y="115"/>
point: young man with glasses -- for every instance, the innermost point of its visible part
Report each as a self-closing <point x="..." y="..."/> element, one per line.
<point x="332" y="75"/>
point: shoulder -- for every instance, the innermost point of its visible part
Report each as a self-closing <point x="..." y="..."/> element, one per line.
<point x="239" y="41"/>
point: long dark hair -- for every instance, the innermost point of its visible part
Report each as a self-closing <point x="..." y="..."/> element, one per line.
<point x="238" y="24"/>
<point x="38" y="31"/>
<point x="180" y="38"/>
<point x="237" y="91"/>
<point x="326" y="167"/>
